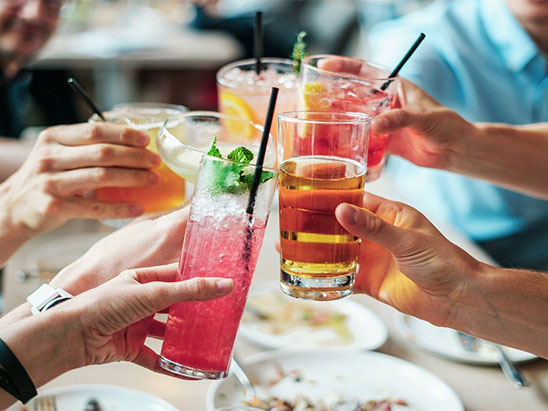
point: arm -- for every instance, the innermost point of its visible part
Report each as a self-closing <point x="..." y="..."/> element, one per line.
<point x="12" y="154"/>
<point x="407" y="263"/>
<point x="106" y="324"/>
<point x="431" y="135"/>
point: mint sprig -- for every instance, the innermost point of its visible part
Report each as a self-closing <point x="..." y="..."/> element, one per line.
<point x="299" y="51"/>
<point x="232" y="177"/>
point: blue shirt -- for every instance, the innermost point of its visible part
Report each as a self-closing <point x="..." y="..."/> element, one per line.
<point x="478" y="60"/>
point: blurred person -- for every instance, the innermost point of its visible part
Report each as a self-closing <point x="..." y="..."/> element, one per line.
<point x="487" y="61"/>
<point x="25" y="27"/>
<point x="407" y="263"/>
<point x="106" y="324"/>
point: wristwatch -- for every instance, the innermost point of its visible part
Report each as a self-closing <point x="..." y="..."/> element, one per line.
<point x="46" y="297"/>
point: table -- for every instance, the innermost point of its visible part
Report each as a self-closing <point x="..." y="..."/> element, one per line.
<point x="480" y="388"/>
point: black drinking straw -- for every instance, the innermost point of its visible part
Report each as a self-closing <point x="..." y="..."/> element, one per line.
<point x="258" y="40"/>
<point x="262" y="151"/>
<point x="81" y="92"/>
<point x="403" y="61"/>
<point x="258" y="174"/>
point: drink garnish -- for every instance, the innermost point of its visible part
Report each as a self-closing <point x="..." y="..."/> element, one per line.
<point x="231" y="177"/>
<point x="299" y="51"/>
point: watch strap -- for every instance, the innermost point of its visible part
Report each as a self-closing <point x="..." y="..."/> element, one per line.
<point x="18" y="381"/>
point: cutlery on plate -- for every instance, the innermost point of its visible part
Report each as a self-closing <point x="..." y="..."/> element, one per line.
<point x="237" y="368"/>
<point x="47" y="403"/>
<point x="471" y="344"/>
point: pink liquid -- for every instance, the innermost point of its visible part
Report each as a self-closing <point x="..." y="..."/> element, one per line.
<point x="201" y="334"/>
<point x="352" y="97"/>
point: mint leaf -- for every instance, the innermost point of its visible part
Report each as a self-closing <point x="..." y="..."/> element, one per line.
<point x="241" y="155"/>
<point x="299" y="51"/>
<point x="230" y="177"/>
<point x="213" y="150"/>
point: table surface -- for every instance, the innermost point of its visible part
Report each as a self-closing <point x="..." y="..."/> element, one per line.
<point x="479" y="387"/>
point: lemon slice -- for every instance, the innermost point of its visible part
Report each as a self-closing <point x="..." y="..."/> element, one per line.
<point x="314" y="97"/>
<point x="235" y="106"/>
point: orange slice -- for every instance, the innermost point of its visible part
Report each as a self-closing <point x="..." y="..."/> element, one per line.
<point x="314" y="97"/>
<point x="235" y="106"/>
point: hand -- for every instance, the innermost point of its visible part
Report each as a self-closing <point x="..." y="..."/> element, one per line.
<point x="67" y="161"/>
<point x="422" y="130"/>
<point x="115" y="318"/>
<point x="406" y="262"/>
<point x="144" y="243"/>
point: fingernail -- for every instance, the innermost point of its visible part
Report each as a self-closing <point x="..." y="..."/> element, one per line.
<point x="224" y="285"/>
<point x="153" y="178"/>
<point x="136" y="209"/>
<point x="143" y="139"/>
<point x="380" y="124"/>
<point x="351" y="215"/>
<point x="155" y="159"/>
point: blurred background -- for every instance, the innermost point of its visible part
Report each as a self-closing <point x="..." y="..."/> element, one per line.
<point x="169" y="50"/>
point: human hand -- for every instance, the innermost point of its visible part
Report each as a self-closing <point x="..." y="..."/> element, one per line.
<point x="145" y="243"/>
<point x="406" y="262"/>
<point x="67" y="161"/>
<point x="422" y="130"/>
<point x="115" y="318"/>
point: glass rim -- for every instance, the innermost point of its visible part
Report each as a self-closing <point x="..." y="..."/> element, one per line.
<point x="150" y="105"/>
<point x="268" y="60"/>
<point x="353" y="117"/>
<point x="250" y="165"/>
<point x="305" y="62"/>
<point x="212" y="114"/>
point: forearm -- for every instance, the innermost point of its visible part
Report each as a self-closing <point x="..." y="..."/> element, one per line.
<point x="12" y="154"/>
<point x="513" y="157"/>
<point x="12" y="235"/>
<point x="506" y="306"/>
<point x="40" y="344"/>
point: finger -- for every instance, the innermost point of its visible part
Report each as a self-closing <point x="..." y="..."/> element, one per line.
<point x="96" y="155"/>
<point x="340" y="65"/>
<point x="93" y="133"/>
<point x="149" y="359"/>
<point x="66" y="183"/>
<point x="372" y="202"/>
<point x="164" y="273"/>
<point x="157" y="329"/>
<point x="160" y="295"/>
<point x="77" y="207"/>
<point x="397" y="119"/>
<point x="368" y="226"/>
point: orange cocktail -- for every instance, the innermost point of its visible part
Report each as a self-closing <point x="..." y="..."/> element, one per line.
<point x="169" y="192"/>
<point x="319" y="258"/>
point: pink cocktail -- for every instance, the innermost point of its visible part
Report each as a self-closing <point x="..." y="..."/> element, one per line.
<point x="345" y="85"/>
<point x="221" y="240"/>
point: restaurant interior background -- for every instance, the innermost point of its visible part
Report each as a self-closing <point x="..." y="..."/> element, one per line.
<point x="169" y="51"/>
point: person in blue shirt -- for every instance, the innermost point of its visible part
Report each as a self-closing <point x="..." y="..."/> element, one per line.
<point x="487" y="60"/>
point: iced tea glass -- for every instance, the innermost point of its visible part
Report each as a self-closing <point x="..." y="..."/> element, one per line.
<point x="345" y="84"/>
<point x="323" y="164"/>
<point x="245" y="94"/>
<point x="169" y="192"/>
<point x="221" y="240"/>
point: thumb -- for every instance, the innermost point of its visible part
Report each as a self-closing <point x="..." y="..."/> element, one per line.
<point x="368" y="226"/>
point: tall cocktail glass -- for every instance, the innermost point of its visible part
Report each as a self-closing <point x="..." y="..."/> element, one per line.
<point x="169" y="192"/>
<point x="221" y="240"/>
<point x="185" y="138"/>
<point x="323" y="164"/>
<point x="345" y="84"/>
<point x="245" y="94"/>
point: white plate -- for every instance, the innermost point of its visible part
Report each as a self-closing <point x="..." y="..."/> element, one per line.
<point x="359" y="327"/>
<point x="355" y="374"/>
<point x="445" y="342"/>
<point x="110" y="398"/>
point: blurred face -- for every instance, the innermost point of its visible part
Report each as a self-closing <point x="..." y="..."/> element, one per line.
<point x="25" y="26"/>
<point x="530" y="12"/>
